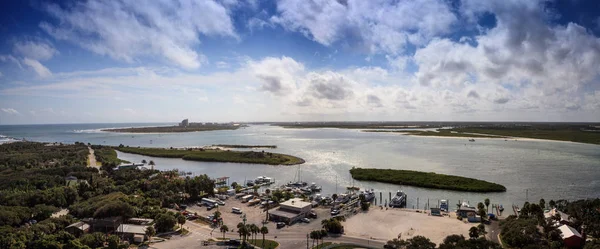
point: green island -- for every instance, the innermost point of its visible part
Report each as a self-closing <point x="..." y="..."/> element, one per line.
<point x="425" y="179"/>
<point x="439" y="133"/>
<point x="173" y="129"/>
<point x="245" y="146"/>
<point x="216" y="155"/>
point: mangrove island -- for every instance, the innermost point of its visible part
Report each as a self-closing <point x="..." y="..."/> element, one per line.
<point x="425" y="180"/>
<point x="216" y="155"/>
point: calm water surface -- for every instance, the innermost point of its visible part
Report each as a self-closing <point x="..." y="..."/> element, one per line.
<point x="529" y="169"/>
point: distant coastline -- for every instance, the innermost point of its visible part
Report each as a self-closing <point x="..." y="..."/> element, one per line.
<point x="235" y="146"/>
<point x="172" y="129"/>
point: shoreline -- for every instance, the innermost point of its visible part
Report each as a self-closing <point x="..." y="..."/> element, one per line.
<point x="499" y="138"/>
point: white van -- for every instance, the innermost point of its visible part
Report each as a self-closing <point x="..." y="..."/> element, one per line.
<point x="236" y="210"/>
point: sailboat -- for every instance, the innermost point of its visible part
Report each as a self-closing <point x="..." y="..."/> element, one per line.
<point x="352" y="187"/>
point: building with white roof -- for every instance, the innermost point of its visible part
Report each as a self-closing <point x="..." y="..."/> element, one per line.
<point x="571" y="237"/>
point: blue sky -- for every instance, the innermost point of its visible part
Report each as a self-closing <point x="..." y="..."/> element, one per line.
<point x="317" y="60"/>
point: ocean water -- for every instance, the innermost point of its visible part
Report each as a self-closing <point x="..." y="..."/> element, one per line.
<point x="530" y="169"/>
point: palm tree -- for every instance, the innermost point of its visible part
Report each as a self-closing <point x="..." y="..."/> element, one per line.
<point x="242" y="231"/>
<point x="323" y="233"/>
<point x="144" y="161"/>
<point x="487" y="203"/>
<point x="264" y="230"/>
<point x="224" y="229"/>
<point x="255" y="230"/>
<point x="151" y="163"/>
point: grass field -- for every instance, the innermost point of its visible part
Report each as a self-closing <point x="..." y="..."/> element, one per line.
<point x="425" y="179"/>
<point x="326" y="244"/>
<point x="268" y="244"/>
<point x="217" y="155"/>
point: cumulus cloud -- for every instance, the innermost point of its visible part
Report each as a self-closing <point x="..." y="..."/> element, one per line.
<point x="376" y="26"/>
<point x="165" y="29"/>
<point x="329" y="86"/>
<point x="10" y="111"/>
<point x="277" y="75"/>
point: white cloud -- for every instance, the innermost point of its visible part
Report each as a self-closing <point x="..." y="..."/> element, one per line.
<point x="278" y="75"/>
<point x="166" y="29"/>
<point x="10" y="111"/>
<point x="377" y="25"/>
<point x="40" y="51"/>
<point x="40" y="69"/>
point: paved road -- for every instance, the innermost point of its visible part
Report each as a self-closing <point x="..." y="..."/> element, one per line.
<point x="493" y="230"/>
<point x="199" y="233"/>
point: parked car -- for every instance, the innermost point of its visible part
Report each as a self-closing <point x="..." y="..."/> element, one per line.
<point x="280" y="225"/>
<point x="335" y="212"/>
<point x="305" y="220"/>
<point x="312" y="214"/>
<point x="209" y="207"/>
<point x="232" y="242"/>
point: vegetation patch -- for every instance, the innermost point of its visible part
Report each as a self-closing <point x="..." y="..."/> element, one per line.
<point x="216" y="155"/>
<point x="107" y="155"/>
<point x="268" y="244"/>
<point x="425" y="179"/>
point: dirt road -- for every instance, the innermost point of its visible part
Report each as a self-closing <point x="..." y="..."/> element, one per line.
<point x="92" y="159"/>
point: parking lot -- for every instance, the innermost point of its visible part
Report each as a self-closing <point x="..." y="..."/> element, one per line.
<point x="256" y="215"/>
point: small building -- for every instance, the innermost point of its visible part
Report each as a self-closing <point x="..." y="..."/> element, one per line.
<point x="140" y="221"/>
<point x="565" y="219"/>
<point x="571" y="237"/>
<point x="104" y="225"/>
<point x="465" y="212"/>
<point x="291" y="211"/>
<point x="131" y="232"/>
<point x="78" y="228"/>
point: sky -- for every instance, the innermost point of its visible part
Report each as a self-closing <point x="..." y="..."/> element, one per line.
<point x="123" y="61"/>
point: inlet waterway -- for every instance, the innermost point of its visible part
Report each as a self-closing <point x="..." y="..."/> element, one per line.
<point x="530" y="169"/>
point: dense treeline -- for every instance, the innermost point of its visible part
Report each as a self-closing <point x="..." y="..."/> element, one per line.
<point x="217" y="155"/>
<point x="25" y="155"/>
<point x="531" y="229"/>
<point x="33" y="187"/>
<point x="425" y="179"/>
